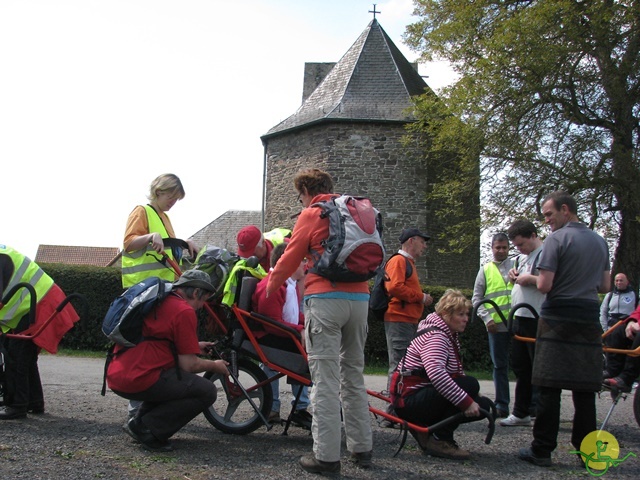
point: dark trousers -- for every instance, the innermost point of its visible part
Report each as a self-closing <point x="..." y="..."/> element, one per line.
<point x="619" y="364"/>
<point x="428" y="407"/>
<point x="522" y="354"/>
<point x="170" y="403"/>
<point x="24" y="388"/>
<point x="547" y="424"/>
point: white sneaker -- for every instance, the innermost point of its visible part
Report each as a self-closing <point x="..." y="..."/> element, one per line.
<point x="513" y="421"/>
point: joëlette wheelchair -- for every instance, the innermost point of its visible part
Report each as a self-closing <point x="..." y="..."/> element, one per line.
<point x="245" y="397"/>
<point x="616" y="395"/>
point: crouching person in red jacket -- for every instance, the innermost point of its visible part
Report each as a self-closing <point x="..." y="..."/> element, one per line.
<point x="161" y="370"/>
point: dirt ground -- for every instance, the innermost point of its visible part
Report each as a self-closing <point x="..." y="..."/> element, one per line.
<point x="80" y="436"/>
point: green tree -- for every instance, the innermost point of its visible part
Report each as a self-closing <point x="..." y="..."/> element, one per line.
<point x="548" y="97"/>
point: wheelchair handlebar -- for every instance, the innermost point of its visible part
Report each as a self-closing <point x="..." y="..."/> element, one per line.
<point x="32" y="298"/>
<point x="459" y="416"/>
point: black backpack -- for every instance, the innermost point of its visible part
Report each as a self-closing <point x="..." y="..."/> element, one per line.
<point x="379" y="299"/>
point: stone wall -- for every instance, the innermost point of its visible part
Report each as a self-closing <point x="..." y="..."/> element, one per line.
<point x="367" y="159"/>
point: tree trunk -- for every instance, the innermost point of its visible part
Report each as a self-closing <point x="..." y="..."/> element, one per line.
<point x="627" y="255"/>
<point x="626" y="191"/>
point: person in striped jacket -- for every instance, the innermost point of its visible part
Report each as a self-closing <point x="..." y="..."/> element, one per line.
<point x="430" y="384"/>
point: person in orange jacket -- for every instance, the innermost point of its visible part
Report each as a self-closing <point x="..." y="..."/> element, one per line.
<point x="407" y="300"/>
<point x="335" y="333"/>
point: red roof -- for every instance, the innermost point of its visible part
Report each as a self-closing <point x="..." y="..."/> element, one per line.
<point x="74" y="255"/>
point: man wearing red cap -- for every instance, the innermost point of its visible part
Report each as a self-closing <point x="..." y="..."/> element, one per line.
<point x="251" y="242"/>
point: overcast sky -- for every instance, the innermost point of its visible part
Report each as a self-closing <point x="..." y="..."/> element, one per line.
<point x="98" y="97"/>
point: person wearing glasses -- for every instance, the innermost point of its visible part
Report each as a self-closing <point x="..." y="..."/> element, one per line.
<point x="162" y="370"/>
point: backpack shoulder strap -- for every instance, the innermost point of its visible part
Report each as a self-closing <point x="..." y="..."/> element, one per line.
<point x="409" y="269"/>
<point x="534" y="265"/>
<point x="110" y="355"/>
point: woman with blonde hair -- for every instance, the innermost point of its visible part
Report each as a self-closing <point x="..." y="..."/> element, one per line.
<point x="143" y="245"/>
<point x="147" y="227"/>
<point x="430" y="385"/>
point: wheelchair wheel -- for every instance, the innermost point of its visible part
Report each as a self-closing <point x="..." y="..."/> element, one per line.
<point x="636" y="405"/>
<point x="232" y="412"/>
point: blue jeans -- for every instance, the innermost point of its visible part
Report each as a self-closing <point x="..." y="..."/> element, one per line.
<point x="303" y="402"/>
<point x="499" y="351"/>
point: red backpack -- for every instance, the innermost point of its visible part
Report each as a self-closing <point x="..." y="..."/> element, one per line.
<point x="353" y="252"/>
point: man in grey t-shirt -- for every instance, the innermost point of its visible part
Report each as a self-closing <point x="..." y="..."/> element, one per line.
<point x="574" y="267"/>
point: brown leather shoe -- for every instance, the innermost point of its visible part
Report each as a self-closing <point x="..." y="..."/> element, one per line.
<point x="421" y="438"/>
<point x="311" y="465"/>
<point x="445" y="449"/>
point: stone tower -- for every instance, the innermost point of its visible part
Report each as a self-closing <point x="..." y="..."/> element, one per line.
<point x="351" y="124"/>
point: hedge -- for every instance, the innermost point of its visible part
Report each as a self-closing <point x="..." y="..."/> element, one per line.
<point x="100" y="285"/>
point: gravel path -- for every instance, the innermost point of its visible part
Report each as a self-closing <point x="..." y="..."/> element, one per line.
<point x="80" y="437"/>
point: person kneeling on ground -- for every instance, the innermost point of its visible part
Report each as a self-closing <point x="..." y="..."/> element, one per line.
<point x="429" y="384"/>
<point x="161" y="370"/>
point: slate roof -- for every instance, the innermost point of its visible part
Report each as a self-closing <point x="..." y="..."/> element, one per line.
<point x="373" y="81"/>
<point x="76" y="255"/>
<point x="222" y="231"/>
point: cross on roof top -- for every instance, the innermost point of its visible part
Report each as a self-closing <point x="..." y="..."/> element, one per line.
<point x="374" y="11"/>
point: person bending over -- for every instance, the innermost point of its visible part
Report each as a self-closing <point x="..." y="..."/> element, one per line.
<point x="161" y="370"/>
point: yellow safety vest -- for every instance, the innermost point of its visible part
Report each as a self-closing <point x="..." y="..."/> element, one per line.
<point x="146" y="262"/>
<point x="496" y="290"/>
<point x="231" y="287"/>
<point x="277" y="235"/>
<point x="24" y="271"/>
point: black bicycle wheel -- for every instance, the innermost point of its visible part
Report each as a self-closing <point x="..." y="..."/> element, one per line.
<point x="232" y="412"/>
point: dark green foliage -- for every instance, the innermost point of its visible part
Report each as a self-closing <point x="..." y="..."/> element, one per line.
<point x="548" y="98"/>
<point x="100" y="286"/>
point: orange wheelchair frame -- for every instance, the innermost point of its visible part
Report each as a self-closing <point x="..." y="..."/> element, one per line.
<point x="615" y="395"/>
<point x="247" y="398"/>
<point x="238" y="345"/>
